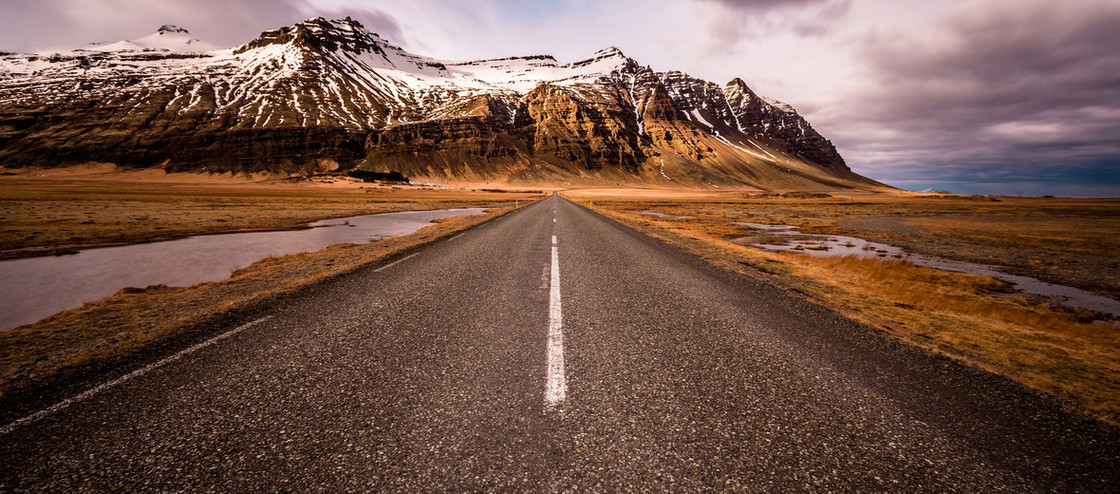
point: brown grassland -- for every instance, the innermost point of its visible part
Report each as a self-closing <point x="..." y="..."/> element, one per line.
<point x="47" y="211"/>
<point x="1070" y="353"/>
<point x="134" y="321"/>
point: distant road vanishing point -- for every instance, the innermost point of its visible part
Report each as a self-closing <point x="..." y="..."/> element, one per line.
<point x="555" y="350"/>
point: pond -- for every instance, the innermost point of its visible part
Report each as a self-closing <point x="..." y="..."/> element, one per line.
<point x="37" y="287"/>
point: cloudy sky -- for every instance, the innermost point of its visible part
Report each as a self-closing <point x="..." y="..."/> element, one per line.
<point x="976" y="96"/>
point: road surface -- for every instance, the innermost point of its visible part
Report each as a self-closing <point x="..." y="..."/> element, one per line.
<point x="554" y="350"/>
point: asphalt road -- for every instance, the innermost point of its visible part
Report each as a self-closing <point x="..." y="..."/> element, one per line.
<point x="502" y="359"/>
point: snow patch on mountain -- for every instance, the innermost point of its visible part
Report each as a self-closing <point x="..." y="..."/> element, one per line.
<point x="780" y="105"/>
<point x="695" y="116"/>
<point x="523" y="74"/>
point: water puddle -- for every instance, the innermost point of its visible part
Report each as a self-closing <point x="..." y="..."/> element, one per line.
<point x="792" y="240"/>
<point x="786" y="238"/>
<point x="37" y="287"/>
<point x="663" y="215"/>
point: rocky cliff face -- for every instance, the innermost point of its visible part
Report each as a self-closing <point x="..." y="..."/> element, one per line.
<point x="331" y="95"/>
<point x="779" y="124"/>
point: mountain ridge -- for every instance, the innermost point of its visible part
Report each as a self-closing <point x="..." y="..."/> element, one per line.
<point x="326" y="95"/>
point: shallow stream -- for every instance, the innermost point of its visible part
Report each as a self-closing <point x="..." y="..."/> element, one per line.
<point x="839" y="246"/>
<point x="787" y="238"/>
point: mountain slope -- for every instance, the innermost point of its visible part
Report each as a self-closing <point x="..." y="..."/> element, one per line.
<point x="328" y="95"/>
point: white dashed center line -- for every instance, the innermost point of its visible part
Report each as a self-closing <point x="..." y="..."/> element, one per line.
<point x="394" y="263"/>
<point x="556" y="388"/>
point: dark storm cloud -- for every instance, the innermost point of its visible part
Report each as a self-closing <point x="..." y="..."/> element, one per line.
<point x="1029" y="93"/>
<point x="59" y="24"/>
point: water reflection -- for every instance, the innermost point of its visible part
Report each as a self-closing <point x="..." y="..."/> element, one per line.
<point x="663" y="215"/>
<point x="37" y="287"/>
<point x="787" y="238"/>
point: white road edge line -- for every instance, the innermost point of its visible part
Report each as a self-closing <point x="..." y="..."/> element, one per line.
<point x="556" y="387"/>
<point x="127" y="377"/>
<point x="394" y="263"/>
<point x="456" y="236"/>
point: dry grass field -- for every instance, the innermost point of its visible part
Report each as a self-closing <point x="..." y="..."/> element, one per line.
<point x="1070" y="353"/>
<point x="58" y="210"/>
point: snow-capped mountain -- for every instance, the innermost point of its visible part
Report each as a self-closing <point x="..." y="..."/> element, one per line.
<point x="168" y="37"/>
<point x="329" y="95"/>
